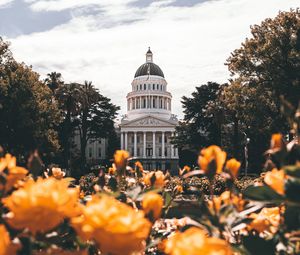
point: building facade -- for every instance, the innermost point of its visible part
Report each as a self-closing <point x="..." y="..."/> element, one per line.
<point x="149" y="124"/>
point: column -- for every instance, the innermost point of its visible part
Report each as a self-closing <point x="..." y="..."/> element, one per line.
<point x="135" y="145"/>
<point x="144" y="145"/>
<point x="122" y="141"/>
<point x="135" y="102"/>
<point x="172" y="147"/>
<point x="126" y="141"/>
<point x="163" y="144"/>
<point x="153" y="147"/>
<point x="140" y="102"/>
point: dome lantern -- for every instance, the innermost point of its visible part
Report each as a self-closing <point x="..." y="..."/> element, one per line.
<point x="149" y="56"/>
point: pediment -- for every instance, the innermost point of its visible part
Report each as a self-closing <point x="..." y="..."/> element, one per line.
<point x="149" y="121"/>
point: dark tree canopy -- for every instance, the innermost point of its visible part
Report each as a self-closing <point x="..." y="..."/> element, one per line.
<point x="271" y="57"/>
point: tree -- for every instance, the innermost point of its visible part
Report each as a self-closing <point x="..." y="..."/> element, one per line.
<point x="54" y="81"/>
<point x="271" y="58"/>
<point x="266" y="67"/>
<point x="28" y="113"/>
<point x="68" y="97"/>
<point x="96" y="116"/>
<point x="202" y="119"/>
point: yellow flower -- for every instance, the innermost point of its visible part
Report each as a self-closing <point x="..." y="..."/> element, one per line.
<point x="275" y="179"/>
<point x="15" y="173"/>
<point x="120" y="158"/>
<point x="152" y="205"/>
<point x="212" y="159"/>
<point x="57" y="173"/>
<point x="194" y="242"/>
<point x="6" y="246"/>
<point x="184" y="170"/>
<point x="268" y="219"/>
<point x="40" y="206"/>
<point x="117" y="228"/>
<point x="156" y="179"/>
<point x="233" y="167"/>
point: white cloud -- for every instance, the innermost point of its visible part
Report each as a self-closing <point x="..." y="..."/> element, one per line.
<point x="5" y="3"/>
<point x="189" y="44"/>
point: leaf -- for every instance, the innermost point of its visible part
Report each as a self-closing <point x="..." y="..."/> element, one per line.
<point x="262" y="193"/>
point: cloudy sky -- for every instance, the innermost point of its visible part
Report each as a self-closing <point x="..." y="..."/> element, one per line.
<point x="105" y="41"/>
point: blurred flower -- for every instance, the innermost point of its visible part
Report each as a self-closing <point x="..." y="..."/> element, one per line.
<point x="277" y="142"/>
<point x="156" y="179"/>
<point x="233" y="167"/>
<point x="139" y="166"/>
<point x="211" y="160"/>
<point x="42" y="205"/>
<point x="268" y="219"/>
<point x="112" y="170"/>
<point x="57" y="173"/>
<point x="14" y="173"/>
<point x="120" y="158"/>
<point x="152" y="205"/>
<point x="275" y="179"/>
<point x="6" y="246"/>
<point x="116" y="227"/>
<point x="194" y="242"/>
<point x="184" y="170"/>
<point x="178" y="189"/>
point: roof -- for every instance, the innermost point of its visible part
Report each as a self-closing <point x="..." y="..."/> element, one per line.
<point x="149" y="69"/>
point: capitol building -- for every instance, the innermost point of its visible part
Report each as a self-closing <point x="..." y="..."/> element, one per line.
<point x="149" y="124"/>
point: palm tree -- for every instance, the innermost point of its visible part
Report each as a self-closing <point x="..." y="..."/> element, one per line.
<point x="68" y="97"/>
<point x="54" y="80"/>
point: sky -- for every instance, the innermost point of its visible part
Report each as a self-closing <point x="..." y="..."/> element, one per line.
<point x="105" y="41"/>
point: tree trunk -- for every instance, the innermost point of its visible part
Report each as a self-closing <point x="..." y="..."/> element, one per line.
<point x="236" y="136"/>
<point x="83" y="140"/>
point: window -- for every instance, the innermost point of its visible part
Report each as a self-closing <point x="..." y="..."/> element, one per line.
<point x="145" y="87"/>
<point x="159" y="152"/>
<point x="153" y="87"/>
<point x="149" y="86"/>
<point x="99" y="153"/>
<point x="140" y="86"/>
<point x="157" y="87"/>
<point x="99" y="141"/>
<point x="154" y="103"/>
<point x="159" y="139"/>
<point x="137" y="87"/>
<point x="138" y="139"/>
<point x="90" y="152"/>
<point x="144" y="103"/>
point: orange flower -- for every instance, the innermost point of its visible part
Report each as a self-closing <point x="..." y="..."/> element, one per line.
<point x="178" y="189"/>
<point x="275" y="179"/>
<point x="156" y="179"/>
<point x="42" y="205"/>
<point x="116" y="227"/>
<point x="6" y="246"/>
<point x="268" y="219"/>
<point x="194" y="242"/>
<point x="139" y="166"/>
<point x="277" y="142"/>
<point x="212" y="159"/>
<point x="58" y="173"/>
<point x="233" y="167"/>
<point x="112" y="170"/>
<point x="120" y="158"/>
<point x="184" y="170"/>
<point x="152" y="205"/>
<point x="15" y="173"/>
<point x="226" y="198"/>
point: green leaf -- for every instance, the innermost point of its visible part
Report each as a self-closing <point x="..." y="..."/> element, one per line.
<point x="262" y="193"/>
